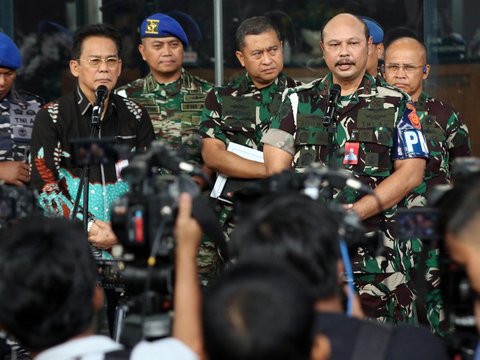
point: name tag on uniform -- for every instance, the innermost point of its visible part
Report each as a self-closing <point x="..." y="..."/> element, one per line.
<point x="351" y="153"/>
<point x="21" y="121"/>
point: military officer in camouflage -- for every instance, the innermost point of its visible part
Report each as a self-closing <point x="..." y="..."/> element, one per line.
<point x="381" y="127"/>
<point x="240" y="111"/>
<point x="173" y="98"/>
<point x="17" y="115"/>
<point x="406" y="67"/>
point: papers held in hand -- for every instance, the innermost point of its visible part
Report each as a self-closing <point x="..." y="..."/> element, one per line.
<point x="225" y="186"/>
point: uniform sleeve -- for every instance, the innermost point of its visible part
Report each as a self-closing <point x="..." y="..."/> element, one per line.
<point x="211" y="120"/>
<point x="409" y="141"/>
<point x="283" y="126"/>
<point x="45" y="160"/>
<point x="458" y="140"/>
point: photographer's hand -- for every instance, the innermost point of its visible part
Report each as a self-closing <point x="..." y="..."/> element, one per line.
<point x="15" y="172"/>
<point x="102" y="236"/>
<point x="187" y="324"/>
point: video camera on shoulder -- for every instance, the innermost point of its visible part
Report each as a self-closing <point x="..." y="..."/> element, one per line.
<point x="429" y="224"/>
<point x="318" y="182"/>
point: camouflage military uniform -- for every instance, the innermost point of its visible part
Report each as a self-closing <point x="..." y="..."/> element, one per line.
<point x="17" y="115"/>
<point x="447" y="138"/>
<point x="377" y="119"/>
<point x="175" y="110"/>
<point x="240" y="113"/>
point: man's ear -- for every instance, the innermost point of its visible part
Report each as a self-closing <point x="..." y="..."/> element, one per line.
<point x="321" y="349"/>
<point x="74" y="67"/>
<point x="340" y="272"/>
<point x="426" y="71"/>
<point x="240" y="57"/>
<point x="380" y="50"/>
<point x="141" y="50"/>
<point x="98" y="298"/>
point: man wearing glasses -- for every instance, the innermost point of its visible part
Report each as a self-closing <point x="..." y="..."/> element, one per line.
<point x="406" y="67"/>
<point x="95" y="62"/>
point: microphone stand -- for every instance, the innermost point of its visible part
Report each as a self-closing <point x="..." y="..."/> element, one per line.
<point x="330" y="123"/>
<point x="84" y="177"/>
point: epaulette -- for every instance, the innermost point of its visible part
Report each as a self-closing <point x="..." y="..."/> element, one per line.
<point x="28" y="96"/>
<point x="389" y="90"/>
<point x="131" y="87"/>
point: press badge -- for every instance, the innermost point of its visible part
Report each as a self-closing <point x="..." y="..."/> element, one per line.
<point x="351" y="153"/>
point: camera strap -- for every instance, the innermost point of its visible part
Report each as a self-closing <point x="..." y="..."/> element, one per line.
<point x="372" y="341"/>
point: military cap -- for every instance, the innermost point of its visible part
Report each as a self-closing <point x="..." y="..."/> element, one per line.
<point x="375" y="30"/>
<point x="161" y="25"/>
<point x="9" y="54"/>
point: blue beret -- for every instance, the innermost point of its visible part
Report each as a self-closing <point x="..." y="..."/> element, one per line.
<point x="375" y="30"/>
<point x="9" y="54"/>
<point x="161" y="25"/>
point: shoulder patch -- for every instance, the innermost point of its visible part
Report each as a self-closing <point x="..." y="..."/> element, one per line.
<point x="52" y="108"/>
<point x="134" y="108"/>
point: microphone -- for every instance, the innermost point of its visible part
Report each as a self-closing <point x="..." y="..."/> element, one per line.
<point x="100" y="96"/>
<point x="329" y="113"/>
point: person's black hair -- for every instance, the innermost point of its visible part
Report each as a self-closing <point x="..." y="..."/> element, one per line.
<point x="359" y="18"/>
<point x="258" y="310"/>
<point x="47" y="279"/>
<point x="255" y="26"/>
<point x="297" y="229"/>
<point x="99" y="30"/>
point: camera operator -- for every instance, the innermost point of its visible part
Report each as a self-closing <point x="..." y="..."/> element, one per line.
<point x="49" y="304"/>
<point x="460" y="214"/>
<point x="315" y="252"/>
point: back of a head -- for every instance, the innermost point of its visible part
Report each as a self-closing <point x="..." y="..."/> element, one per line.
<point x="47" y="279"/>
<point x="258" y="311"/>
<point x="295" y="229"/>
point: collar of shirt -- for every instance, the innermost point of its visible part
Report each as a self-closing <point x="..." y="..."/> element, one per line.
<point x="246" y="85"/>
<point x="169" y="89"/>
<point x="86" y="106"/>
<point x="76" y="348"/>
<point x="366" y="88"/>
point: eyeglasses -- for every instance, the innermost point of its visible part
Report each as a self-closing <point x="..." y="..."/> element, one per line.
<point x="94" y="62"/>
<point x="408" y="68"/>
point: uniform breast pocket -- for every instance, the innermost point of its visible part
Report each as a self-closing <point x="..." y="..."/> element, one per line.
<point x="311" y="136"/>
<point x="238" y="130"/>
<point x="375" y="152"/>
